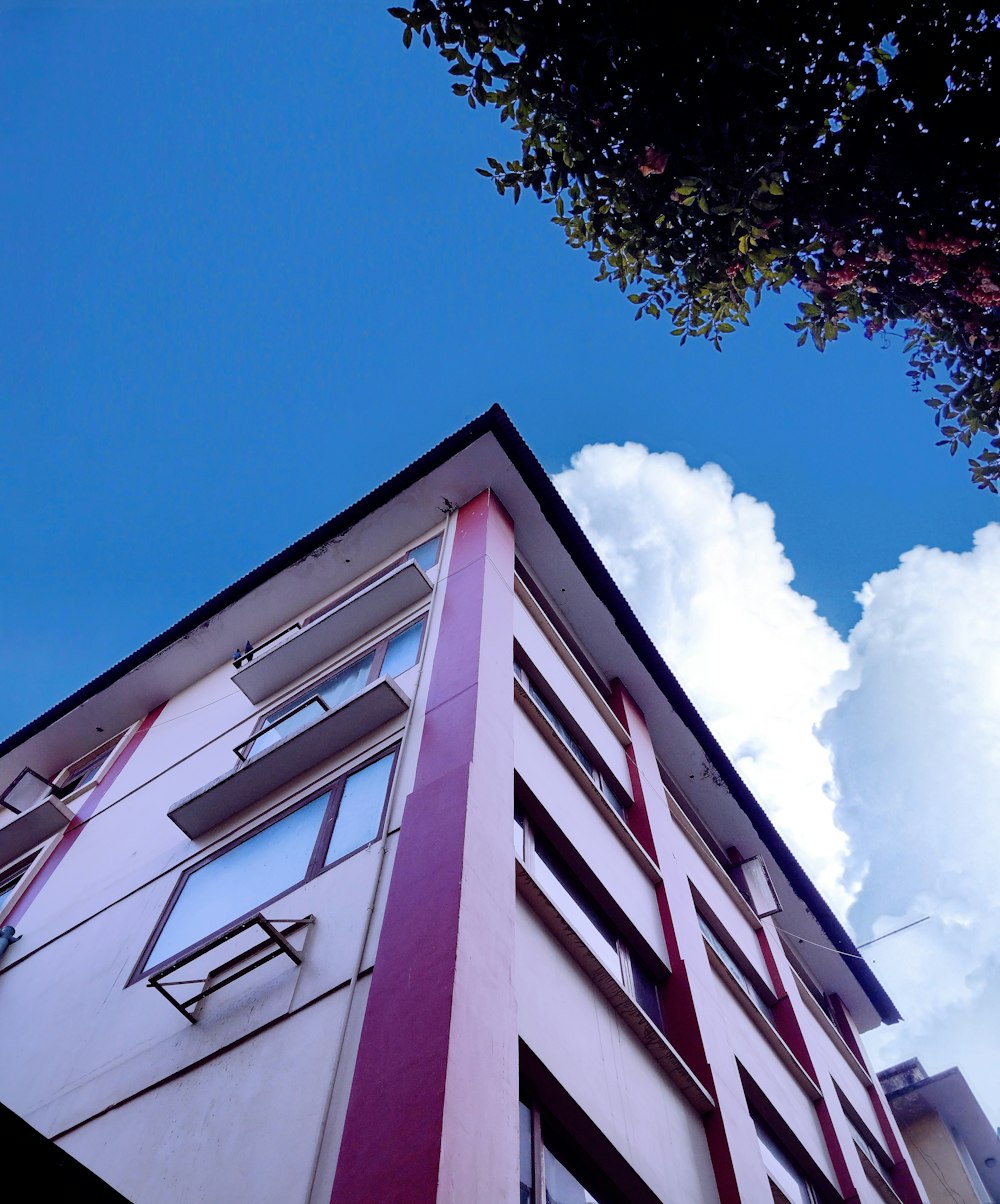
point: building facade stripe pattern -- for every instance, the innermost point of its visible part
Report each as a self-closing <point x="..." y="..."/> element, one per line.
<point x="484" y="923"/>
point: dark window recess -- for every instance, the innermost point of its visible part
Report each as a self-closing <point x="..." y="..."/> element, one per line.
<point x="261" y="867"/>
<point x="390" y="657"/>
<point x="582" y="758"/>
<point x="789" y="1183"/>
<point x="567" y="636"/>
<point x="10" y="877"/>
<point x="550" y="1167"/>
<point x="585" y="917"/>
<point x="558" y="1166"/>
<point x="736" y="971"/>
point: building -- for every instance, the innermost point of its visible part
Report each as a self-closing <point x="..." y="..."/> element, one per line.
<point x="955" y="1149"/>
<point x="437" y="886"/>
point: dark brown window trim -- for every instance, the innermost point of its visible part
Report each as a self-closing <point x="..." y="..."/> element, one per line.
<point x="314" y="869"/>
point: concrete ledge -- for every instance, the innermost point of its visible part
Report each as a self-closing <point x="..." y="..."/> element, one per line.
<point x="31" y="827"/>
<point x="275" y="668"/>
<point x="320" y="740"/>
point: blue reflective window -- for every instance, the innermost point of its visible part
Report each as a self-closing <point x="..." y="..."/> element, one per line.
<point x="251" y="873"/>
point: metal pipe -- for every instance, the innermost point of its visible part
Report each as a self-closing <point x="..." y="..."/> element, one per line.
<point x="7" y="937"/>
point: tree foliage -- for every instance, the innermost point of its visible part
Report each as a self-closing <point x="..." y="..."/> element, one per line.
<point x="704" y="154"/>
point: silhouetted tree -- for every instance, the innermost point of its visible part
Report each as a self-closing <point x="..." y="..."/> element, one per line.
<point x="703" y="154"/>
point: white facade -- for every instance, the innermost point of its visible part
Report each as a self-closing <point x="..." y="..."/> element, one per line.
<point x="564" y="899"/>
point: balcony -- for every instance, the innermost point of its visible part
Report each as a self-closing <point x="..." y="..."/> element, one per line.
<point x="38" y="814"/>
<point x="315" y="733"/>
<point x="283" y="662"/>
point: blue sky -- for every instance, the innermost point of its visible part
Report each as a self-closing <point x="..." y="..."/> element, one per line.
<point x="248" y="271"/>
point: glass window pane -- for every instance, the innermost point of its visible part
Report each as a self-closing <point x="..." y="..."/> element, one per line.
<point x="8" y="885"/>
<point x="519" y="834"/>
<point x="561" y="1187"/>
<point x="610" y="796"/>
<point x="781" y="1170"/>
<point x="645" y="992"/>
<point x="236" y="883"/>
<point x="347" y="682"/>
<point x="280" y="725"/>
<point x="360" y="810"/>
<point x="735" y="969"/>
<point x="403" y="650"/>
<point x="559" y="727"/>
<point x="527" y="1168"/>
<point x="576" y="907"/>
<point x="426" y="555"/>
<point x="85" y="770"/>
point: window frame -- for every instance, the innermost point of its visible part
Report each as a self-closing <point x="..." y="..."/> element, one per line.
<point x="314" y="868"/>
<point x="575" y="742"/>
<point x="13" y="878"/>
<point x="370" y="580"/>
<point x="870" y="1150"/>
<point x="782" y="1168"/>
<point x="737" y="967"/>
<point x="528" y="854"/>
<point x="99" y="760"/>
<point x="563" y="1150"/>
<point x="303" y="696"/>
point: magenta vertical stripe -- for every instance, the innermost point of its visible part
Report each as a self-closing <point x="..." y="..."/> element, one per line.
<point x="432" y="1112"/>
<point x="87" y="809"/>
<point x="680" y="1012"/>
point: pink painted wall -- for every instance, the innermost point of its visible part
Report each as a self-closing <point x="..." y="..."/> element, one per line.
<point x="437" y="1060"/>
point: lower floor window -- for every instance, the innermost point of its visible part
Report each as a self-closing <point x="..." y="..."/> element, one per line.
<point x="788" y="1184"/>
<point x="546" y="1178"/>
<point x="247" y="875"/>
<point x="585" y="917"/>
<point x="10" y="878"/>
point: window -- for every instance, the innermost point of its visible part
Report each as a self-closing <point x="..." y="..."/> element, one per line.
<point x="425" y="554"/>
<point x="562" y="731"/>
<point x="391" y="656"/>
<point x="788" y="1184"/>
<point x="871" y="1153"/>
<point x="546" y="1178"/>
<point x="10" y="878"/>
<point x="584" y="916"/>
<point x="84" y="771"/>
<point x="284" y="853"/>
<point x="736" y="970"/>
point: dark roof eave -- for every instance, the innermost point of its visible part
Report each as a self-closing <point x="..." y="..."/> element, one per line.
<point x="495" y="421"/>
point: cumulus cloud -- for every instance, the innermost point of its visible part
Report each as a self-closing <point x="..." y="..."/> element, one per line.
<point x="914" y="737"/>
<point x="877" y="757"/>
<point x="705" y="573"/>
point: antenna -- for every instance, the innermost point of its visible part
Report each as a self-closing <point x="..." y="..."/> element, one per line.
<point x="902" y="928"/>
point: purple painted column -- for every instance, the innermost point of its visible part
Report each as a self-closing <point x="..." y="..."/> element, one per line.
<point x="732" y="1140"/>
<point x="432" y="1114"/>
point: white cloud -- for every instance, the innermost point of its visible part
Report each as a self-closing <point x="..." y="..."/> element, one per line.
<point x="917" y="762"/>
<point x="878" y="757"/>
<point x="712" y="585"/>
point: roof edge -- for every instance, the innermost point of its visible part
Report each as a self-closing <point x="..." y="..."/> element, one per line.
<point x="497" y="422"/>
